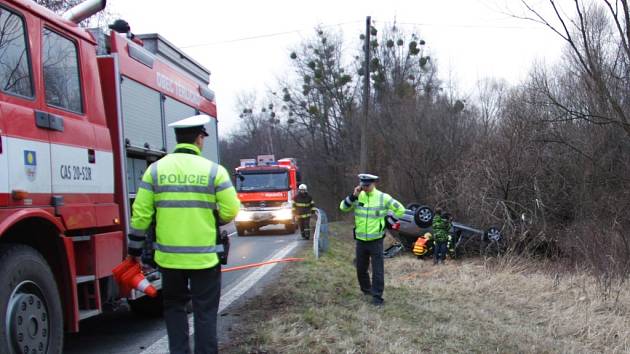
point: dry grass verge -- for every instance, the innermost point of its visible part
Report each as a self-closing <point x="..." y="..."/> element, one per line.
<point x="464" y="306"/>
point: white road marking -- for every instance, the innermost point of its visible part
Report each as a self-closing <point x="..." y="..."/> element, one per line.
<point x="161" y="345"/>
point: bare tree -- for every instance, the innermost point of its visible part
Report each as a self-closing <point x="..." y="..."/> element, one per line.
<point x="598" y="54"/>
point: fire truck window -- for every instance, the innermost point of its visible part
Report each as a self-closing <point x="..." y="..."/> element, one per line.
<point x="263" y="181"/>
<point x="61" y="72"/>
<point x="15" y="73"/>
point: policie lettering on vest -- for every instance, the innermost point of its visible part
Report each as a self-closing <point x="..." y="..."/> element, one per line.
<point x="184" y="179"/>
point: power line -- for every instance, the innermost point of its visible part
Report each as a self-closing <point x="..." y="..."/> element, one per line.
<point x="267" y="35"/>
<point x="297" y="31"/>
<point x="467" y="25"/>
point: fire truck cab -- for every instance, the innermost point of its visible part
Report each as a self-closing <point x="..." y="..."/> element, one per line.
<point x="82" y="115"/>
<point x="266" y="189"/>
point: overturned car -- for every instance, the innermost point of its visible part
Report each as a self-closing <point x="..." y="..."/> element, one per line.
<point x="417" y="221"/>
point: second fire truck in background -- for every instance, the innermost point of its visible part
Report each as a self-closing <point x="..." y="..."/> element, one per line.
<point x="266" y="189"/>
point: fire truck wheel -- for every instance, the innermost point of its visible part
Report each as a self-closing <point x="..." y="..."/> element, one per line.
<point x="147" y="306"/>
<point x="29" y="303"/>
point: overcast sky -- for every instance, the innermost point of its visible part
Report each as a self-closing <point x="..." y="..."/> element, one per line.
<point x="246" y="44"/>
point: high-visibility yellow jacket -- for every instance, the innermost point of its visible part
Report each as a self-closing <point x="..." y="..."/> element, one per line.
<point x="183" y="190"/>
<point x="370" y="210"/>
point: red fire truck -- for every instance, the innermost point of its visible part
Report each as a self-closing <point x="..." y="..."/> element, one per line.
<point x="82" y="114"/>
<point x="266" y="189"/>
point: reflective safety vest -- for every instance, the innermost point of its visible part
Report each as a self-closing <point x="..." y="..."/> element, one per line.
<point x="183" y="190"/>
<point x="420" y="246"/>
<point x="303" y="205"/>
<point x="370" y="210"/>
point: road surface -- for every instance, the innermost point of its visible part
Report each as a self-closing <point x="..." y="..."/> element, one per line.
<point x="123" y="332"/>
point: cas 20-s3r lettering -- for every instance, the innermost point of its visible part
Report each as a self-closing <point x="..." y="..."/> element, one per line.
<point x="76" y="173"/>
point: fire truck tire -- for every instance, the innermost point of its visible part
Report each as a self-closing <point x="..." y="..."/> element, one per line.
<point x="29" y="303"/>
<point x="148" y="306"/>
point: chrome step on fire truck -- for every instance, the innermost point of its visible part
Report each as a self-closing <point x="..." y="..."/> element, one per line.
<point x="82" y="114"/>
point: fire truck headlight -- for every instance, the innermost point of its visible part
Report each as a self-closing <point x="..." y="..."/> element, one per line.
<point x="244" y="216"/>
<point x="283" y="214"/>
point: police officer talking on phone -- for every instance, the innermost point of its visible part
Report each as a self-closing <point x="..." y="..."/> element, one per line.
<point x="370" y="209"/>
<point x="189" y="196"/>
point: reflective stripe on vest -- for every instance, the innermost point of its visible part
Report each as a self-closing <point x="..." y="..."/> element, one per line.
<point x="185" y="204"/>
<point x="377" y="212"/>
<point x="138" y="232"/>
<point x="188" y="249"/>
<point x="145" y="185"/>
<point x="368" y="215"/>
<point x="135" y="244"/>
<point x="223" y="186"/>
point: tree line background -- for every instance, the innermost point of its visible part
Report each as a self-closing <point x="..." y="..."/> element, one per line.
<point x="546" y="159"/>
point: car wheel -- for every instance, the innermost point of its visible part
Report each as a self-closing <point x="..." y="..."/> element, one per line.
<point x="423" y="216"/>
<point x="493" y="234"/>
<point x="413" y="206"/>
<point x="240" y="230"/>
<point x="29" y="303"/>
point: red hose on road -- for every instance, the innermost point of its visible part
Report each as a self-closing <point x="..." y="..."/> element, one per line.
<point x="254" y="265"/>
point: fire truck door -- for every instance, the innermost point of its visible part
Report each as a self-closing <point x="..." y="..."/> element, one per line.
<point x="72" y="138"/>
<point x="25" y="149"/>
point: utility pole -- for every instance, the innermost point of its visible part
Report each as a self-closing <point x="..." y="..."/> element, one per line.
<point x="366" y="97"/>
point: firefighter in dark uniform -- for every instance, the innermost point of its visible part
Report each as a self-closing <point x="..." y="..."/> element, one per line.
<point x="303" y="206"/>
<point x="186" y="193"/>
<point x="370" y="209"/>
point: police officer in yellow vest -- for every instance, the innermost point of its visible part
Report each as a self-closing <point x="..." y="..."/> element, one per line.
<point x="183" y="191"/>
<point x="370" y="208"/>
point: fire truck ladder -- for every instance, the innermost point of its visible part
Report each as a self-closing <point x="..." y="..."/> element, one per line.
<point x="87" y="283"/>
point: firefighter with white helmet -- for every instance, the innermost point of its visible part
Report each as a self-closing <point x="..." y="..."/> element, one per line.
<point x="188" y="196"/>
<point x="303" y="207"/>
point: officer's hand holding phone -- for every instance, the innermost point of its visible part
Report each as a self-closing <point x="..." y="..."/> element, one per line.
<point x="357" y="190"/>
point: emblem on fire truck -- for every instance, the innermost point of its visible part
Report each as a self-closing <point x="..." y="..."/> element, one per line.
<point x="30" y="164"/>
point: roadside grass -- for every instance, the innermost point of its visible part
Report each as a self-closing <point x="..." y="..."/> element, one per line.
<point x="477" y="306"/>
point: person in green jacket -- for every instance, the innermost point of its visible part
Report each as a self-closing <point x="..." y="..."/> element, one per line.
<point x="441" y="235"/>
<point x="370" y="209"/>
<point x="188" y="196"/>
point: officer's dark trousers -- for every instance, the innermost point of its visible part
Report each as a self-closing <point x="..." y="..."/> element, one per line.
<point x="365" y="251"/>
<point x="205" y="290"/>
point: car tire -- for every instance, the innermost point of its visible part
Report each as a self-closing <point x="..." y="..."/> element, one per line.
<point x="28" y="290"/>
<point x="147" y="306"/>
<point x="413" y="206"/>
<point x="492" y="234"/>
<point x="289" y="228"/>
<point x="423" y="216"/>
<point x="240" y="230"/>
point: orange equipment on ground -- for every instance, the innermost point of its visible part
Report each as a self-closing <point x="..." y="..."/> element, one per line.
<point x="128" y="275"/>
<point x="420" y="246"/>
